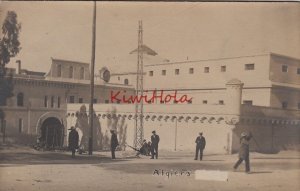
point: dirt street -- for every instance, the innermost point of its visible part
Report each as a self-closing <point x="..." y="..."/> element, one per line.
<point x="22" y="168"/>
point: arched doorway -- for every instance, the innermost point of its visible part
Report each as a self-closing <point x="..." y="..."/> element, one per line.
<point x="52" y="133"/>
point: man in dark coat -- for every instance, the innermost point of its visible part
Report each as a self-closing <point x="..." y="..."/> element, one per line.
<point x="200" y="146"/>
<point x="144" y="148"/>
<point x="244" y="152"/>
<point x="154" y="145"/>
<point x="113" y="143"/>
<point x="73" y="140"/>
<point x="148" y="148"/>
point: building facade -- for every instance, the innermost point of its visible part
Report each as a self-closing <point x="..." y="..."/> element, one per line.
<point x="269" y="102"/>
<point x="219" y="97"/>
<point x="178" y="125"/>
<point x="270" y="80"/>
<point x="38" y="107"/>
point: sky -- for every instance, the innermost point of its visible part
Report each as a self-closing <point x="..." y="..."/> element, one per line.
<point x="175" y="31"/>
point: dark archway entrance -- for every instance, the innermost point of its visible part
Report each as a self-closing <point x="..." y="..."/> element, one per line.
<point x="52" y="133"/>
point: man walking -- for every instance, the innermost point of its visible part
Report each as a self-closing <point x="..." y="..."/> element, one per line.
<point x="200" y="146"/>
<point x="154" y="145"/>
<point x="113" y="143"/>
<point x="244" y="152"/>
<point x="73" y="140"/>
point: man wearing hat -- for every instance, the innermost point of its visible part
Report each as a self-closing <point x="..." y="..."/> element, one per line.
<point x="113" y="143"/>
<point x="200" y="145"/>
<point x="154" y="145"/>
<point x="73" y="140"/>
<point x="244" y="151"/>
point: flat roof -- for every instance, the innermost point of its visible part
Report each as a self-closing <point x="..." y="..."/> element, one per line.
<point x="71" y="61"/>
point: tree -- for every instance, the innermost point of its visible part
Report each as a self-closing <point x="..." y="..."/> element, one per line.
<point x="9" y="47"/>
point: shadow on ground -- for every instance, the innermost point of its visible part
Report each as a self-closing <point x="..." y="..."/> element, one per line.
<point x="39" y="158"/>
<point x="260" y="172"/>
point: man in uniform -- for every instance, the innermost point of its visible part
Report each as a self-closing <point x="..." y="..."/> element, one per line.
<point x="154" y="145"/>
<point x="113" y="143"/>
<point x="73" y="140"/>
<point x="244" y="152"/>
<point x="200" y="146"/>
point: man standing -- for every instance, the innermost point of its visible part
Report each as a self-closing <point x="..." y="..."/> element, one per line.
<point x="113" y="143"/>
<point x="244" y="152"/>
<point x="73" y="140"/>
<point x="200" y="146"/>
<point x="154" y="145"/>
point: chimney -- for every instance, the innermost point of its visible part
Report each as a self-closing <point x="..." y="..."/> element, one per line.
<point x="18" y="66"/>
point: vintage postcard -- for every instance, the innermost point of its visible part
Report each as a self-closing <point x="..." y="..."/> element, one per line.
<point x="149" y="96"/>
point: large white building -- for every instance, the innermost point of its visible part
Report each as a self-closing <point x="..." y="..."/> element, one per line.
<point x="268" y="103"/>
<point x="270" y="80"/>
<point x="259" y="93"/>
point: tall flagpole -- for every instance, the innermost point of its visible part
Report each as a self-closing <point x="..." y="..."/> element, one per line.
<point x="91" y="110"/>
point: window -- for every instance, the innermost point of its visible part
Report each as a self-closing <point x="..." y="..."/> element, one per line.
<point x="206" y="69"/>
<point x="20" y="99"/>
<point x="223" y="68"/>
<point x="126" y="82"/>
<point x="72" y="99"/>
<point x="299" y="105"/>
<point x="191" y="70"/>
<point x="176" y="71"/>
<point x="71" y="72"/>
<point x="163" y="72"/>
<point x="284" y="104"/>
<point x="298" y="70"/>
<point x="204" y="101"/>
<point x="150" y="73"/>
<point x="247" y="102"/>
<point x="190" y="102"/>
<point x="106" y="101"/>
<point x="284" y="68"/>
<point x="119" y="78"/>
<point x="59" y="70"/>
<point x="58" y="102"/>
<point x="95" y="100"/>
<point x="80" y="100"/>
<point x="46" y="101"/>
<point x="221" y="102"/>
<point x="52" y="101"/>
<point x="249" y="66"/>
<point x="81" y="75"/>
<point x="20" y="125"/>
<point x="162" y="102"/>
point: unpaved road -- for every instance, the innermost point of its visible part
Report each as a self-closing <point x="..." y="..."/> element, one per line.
<point x="23" y="169"/>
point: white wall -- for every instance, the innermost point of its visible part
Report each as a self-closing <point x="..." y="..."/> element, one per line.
<point x="235" y="68"/>
<point x="187" y="131"/>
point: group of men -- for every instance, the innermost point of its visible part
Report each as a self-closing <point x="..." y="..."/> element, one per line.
<point x="146" y="149"/>
<point x="152" y="147"/>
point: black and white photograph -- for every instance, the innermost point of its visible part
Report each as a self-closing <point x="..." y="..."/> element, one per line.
<point x="149" y="96"/>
